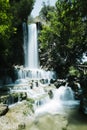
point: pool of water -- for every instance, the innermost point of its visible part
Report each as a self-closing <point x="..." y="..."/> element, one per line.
<point x="73" y="119"/>
<point x="76" y="119"/>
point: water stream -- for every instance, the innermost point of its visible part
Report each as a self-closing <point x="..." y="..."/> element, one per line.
<point x="63" y="97"/>
<point x="62" y="100"/>
<point x="31" y="68"/>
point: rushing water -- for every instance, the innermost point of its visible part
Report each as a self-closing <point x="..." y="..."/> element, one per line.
<point x="33" y="62"/>
<point x="64" y="110"/>
<point x="31" y="68"/>
<point x="58" y="113"/>
<point x="62" y="97"/>
<point x="62" y="103"/>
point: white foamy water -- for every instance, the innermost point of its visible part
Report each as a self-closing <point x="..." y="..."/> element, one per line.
<point x="63" y="97"/>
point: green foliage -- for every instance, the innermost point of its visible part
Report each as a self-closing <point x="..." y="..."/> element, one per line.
<point x="74" y="72"/>
<point x="5" y="30"/>
<point x="46" y="9"/>
<point x="5" y="19"/>
<point x="85" y="63"/>
<point x="30" y="103"/>
<point x="12" y="14"/>
<point x="20" y="10"/>
<point x="65" y="35"/>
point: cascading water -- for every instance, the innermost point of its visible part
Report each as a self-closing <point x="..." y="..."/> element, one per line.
<point x="62" y="97"/>
<point x="64" y="94"/>
<point x="31" y="69"/>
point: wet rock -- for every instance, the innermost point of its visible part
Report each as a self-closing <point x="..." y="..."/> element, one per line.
<point x="50" y="93"/>
<point x="13" y="98"/>
<point x="3" y="99"/>
<point x="21" y="126"/>
<point x="3" y="109"/>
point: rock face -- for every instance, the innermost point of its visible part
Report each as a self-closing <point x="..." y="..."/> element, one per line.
<point x="20" y="117"/>
<point x="12" y="98"/>
<point x="16" y="118"/>
<point x="3" y="109"/>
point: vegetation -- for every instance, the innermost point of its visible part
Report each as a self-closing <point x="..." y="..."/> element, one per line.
<point x="30" y="103"/>
<point x="5" y="30"/>
<point x="12" y="15"/>
<point x="64" y="37"/>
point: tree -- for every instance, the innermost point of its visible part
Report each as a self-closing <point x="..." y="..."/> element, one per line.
<point x="20" y="9"/>
<point x="12" y="14"/>
<point x="5" y="30"/>
<point x="64" y="39"/>
<point x="45" y="11"/>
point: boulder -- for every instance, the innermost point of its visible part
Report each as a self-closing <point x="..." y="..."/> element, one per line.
<point x="3" y="109"/>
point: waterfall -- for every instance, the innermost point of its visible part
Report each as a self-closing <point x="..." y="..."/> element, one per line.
<point x="63" y="98"/>
<point x="30" y="46"/>
<point x="64" y="94"/>
<point x="33" y="62"/>
<point x="31" y="68"/>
